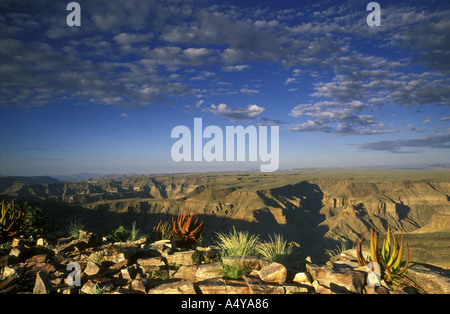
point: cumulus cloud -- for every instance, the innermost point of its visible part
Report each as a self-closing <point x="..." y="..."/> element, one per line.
<point x="236" y="114"/>
<point x="126" y="39"/>
<point x="336" y="117"/>
<point x="139" y="42"/>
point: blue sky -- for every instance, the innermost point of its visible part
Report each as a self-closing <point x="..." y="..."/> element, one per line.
<point x="105" y="96"/>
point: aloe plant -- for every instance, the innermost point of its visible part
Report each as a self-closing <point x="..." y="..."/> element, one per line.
<point x="389" y="257"/>
<point x="186" y="229"/>
<point x="11" y="217"/>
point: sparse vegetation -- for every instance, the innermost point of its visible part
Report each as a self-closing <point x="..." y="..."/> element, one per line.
<point x="277" y="249"/>
<point x="96" y="257"/>
<point x="120" y="234"/>
<point x="234" y="271"/>
<point x="20" y="218"/>
<point x="134" y="233"/>
<point x="98" y="289"/>
<point x="162" y="231"/>
<point x="389" y="257"/>
<point x="75" y="226"/>
<point x="237" y="243"/>
<point x="338" y="250"/>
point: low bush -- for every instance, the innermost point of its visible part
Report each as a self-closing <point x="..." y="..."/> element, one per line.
<point x="277" y="249"/>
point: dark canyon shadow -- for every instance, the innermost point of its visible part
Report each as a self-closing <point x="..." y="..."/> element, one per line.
<point x="299" y="204"/>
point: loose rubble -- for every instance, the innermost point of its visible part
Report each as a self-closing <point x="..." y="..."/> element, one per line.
<point x="144" y="267"/>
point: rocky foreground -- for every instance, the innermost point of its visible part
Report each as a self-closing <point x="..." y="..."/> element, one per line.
<point x="144" y="267"/>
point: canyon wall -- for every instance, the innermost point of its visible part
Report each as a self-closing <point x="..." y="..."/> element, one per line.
<point x="313" y="210"/>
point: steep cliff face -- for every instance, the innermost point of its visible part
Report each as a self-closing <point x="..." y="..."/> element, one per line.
<point x="406" y="206"/>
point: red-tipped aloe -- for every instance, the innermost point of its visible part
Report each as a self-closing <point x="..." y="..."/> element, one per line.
<point x="186" y="229"/>
<point x="389" y="257"/>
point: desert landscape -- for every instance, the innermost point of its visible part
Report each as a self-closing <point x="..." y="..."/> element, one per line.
<point x="294" y="232"/>
<point x="317" y="209"/>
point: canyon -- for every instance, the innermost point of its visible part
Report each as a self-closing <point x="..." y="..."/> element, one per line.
<point x="316" y="209"/>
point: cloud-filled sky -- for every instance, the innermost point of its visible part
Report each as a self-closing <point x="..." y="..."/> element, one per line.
<point x="104" y="97"/>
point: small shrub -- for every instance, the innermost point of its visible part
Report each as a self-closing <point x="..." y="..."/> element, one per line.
<point x="162" y="231"/>
<point x="135" y="233"/>
<point x="237" y="243"/>
<point x="35" y="222"/>
<point x="98" y="289"/>
<point x="277" y="249"/>
<point x="75" y="226"/>
<point x="159" y="275"/>
<point x="235" y="271"/>
<point x="96" y="257"/>
<point x="338" y="250"/>
<point x="197" y="257"/>
<point x="120" y="234"/>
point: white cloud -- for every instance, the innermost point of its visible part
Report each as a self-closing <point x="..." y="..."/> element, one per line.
<point x="339" y="118"/>
<point x="126" y="39"/>
<point x="236" y="114"/>
<point x="249" y="91"/>
<point x="199" y="103"/>
<point x="231" y="56"/>
<point x="290" y="80"/>
<point x="235" y="68"/>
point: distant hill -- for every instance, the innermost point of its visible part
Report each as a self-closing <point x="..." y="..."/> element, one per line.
<point x="6" y="181"/>
<point x="77" y="177"/>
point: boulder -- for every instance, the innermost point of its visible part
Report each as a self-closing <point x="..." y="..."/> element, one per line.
<point x="339" y="280"/>
<point x="212" y="286"/>
<point x="152" y="264"/>
<point x="257" y="286"/>
<point x="432" y="281"/>
<point x="187" y="272"/>
<point x="91" y="238"/>
<point x="129" y="272"/>
<point x="273" y="273"/>
<point x="301" y="278"/>
<point x="42" y="284"/>
<point x="236" y="287"/>
<point x="137" y="285"/>
<point x="92" y="269"/>
<point x="174" y="287"/>
<point x="296" y="289"/>
<point x="90" y="287"/>
<point x="10" y="285"/>
<point x="209" y="271"/>
<point x="181" y="258"/>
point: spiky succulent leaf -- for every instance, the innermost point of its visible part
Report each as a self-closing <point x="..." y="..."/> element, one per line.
<point x="373" y="246"/>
